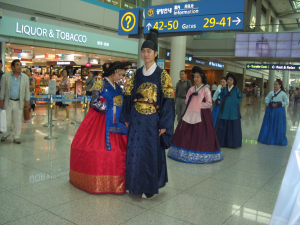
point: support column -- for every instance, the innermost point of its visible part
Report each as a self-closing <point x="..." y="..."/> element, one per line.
<point x="140" y="61"/>
<point x="268" y="21"/>
<point x="271" y="80"/>
<point x="2" y="55"/>
<point x="262" y="89"/>
<point x="244" y="78"/>
<point x="225" y="70"/>
<point x="258" y="15"/>
<point x="178" y="51"/>
<point x="286" y="79"/>
<point x="275" y="27"/>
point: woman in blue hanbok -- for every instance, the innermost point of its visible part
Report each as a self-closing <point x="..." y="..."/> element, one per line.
<point x="216" y="99"/>
<point x="149" y="113"/>
<point x="228" y="126"/>
<point x="273" y="129"/>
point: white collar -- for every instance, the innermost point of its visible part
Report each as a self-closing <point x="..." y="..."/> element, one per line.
<point x="197" y="89"/>
<point x="114" y="85"/>
<point x="150" y="71"/>
<point x="277" y="91"/>
<point x="230" y="88"/>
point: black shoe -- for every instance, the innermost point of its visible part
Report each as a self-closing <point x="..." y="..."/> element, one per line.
<point x="148" y="196"/>
<point x="17" y="141"/>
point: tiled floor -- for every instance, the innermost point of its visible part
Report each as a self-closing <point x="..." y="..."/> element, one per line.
<point x="242" y="189"/>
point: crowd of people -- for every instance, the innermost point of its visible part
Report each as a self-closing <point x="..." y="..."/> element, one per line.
<point x="121" y="144"/>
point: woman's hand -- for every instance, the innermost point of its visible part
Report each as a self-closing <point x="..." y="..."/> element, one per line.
<point x="274" y="105"/>
<point x="161" y="131"/>
<point x="126" y="124"/>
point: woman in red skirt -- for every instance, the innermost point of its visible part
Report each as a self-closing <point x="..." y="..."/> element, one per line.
<point x="98" y="150"/>
<point x="195" y="139"/>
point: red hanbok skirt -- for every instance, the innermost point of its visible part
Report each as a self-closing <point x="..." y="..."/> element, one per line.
<point x="93" y="168"/>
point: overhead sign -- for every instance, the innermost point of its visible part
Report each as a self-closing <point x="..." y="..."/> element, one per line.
<point x="20" y="51"/>
<point x="273" y="67"/>
<point x="129" y="21"/>
<point x="51" y="57"/>
<point x="203" y="15"/>
<point x="88" y="65"/>
<point x="63" y="63"/>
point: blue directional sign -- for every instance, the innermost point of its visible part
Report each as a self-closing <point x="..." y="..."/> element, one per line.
<point x="273" y="67"/>
<point x="205" y="15"/>
<point x="129" y="21"/>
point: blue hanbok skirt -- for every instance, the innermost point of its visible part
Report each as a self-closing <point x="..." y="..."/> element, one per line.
<point x="215" y="112"/>
<point x="273" y="129"/>
<point x="229" y="133"/>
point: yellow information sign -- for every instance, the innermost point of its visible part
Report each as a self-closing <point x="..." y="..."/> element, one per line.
<point x="128" y="17"/>
<point x="129" y="21"/>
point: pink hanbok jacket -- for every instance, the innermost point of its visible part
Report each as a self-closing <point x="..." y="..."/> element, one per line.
<point x="193" y="112"/>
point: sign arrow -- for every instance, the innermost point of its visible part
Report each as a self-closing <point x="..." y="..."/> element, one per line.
<point x="237" y="21"/>
<point x="248" y="66"/>
<point x="149" y="26"/>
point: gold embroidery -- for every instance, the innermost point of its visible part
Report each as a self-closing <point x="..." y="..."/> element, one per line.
<point x="149" y="92"/>
<point x="98" y="85"/>
<point x="166" y="85"/>
<point x="118" y="100"/>
<point x="98" y="184"/>
<point x="130" y="84"/>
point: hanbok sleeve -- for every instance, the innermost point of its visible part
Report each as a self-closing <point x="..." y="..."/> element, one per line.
<point x="222" y="93"/>
<point x="239" y="95"/>
<point x="128" y="99"/>
<point x="188" y="94"/>
<point x="167" y="110"/>
<point x="97" y="102"/>
<point x="216" y="94"/>
<point x="207" y="95"/>
<point x="268" y="98"/>
<point x="285" y="99"/>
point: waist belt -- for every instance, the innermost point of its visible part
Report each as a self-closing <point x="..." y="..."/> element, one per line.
<point x="181" y="97"/>
<point x="14" y="99"/>
<point x="147" y="101"/>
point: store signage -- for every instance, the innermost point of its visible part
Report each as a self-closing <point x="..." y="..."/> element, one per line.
<point x="273" y="45"/>
<point x="113" y="2"/>
<point x="27" y="60"/>
<point x="127" y="5"/>
<point x="15" y="27"/>
<point x="216" y="64"/>
<point x="205" y="15"/>
<point x="272" y="67"/>
<point x="63" y="63"/>
<point x="20" y="51"/>
<point x="161" y="63"/>
<point x="88" y="65"/>
<point x="129" y="21"/>
<point x="51" y="57"/>
<point x="58" y="34"/>
<point x="67" y="57"/>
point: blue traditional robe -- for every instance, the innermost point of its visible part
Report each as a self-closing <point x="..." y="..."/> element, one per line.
<point x="148" y="107"/>
<point x="228" y="126"/>
<point x="216" y="107"/>
<point x="273" y="129"/>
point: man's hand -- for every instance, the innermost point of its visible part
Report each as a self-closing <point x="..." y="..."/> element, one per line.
<point x="1" y="103"/>
<point x="26" y="104"/>
<point x="126" y="124"/>
<point x="161" y="131"/>
<point x="274" y="105"/>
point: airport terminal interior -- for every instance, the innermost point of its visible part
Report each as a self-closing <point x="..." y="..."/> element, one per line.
<point x="67" y="43"/>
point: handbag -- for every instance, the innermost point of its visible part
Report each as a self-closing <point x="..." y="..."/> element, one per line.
<point x="26" y="113"/>
<point x="3" y="126"/>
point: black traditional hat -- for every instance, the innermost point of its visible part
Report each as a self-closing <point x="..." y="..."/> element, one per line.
<point x="110" y="68"/>
<point x="233" y="77"/>
<point x="197" y="69"/>
<point x="151" y="40"/>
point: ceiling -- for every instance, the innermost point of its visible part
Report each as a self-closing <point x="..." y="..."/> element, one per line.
<point x="80" y="58"/>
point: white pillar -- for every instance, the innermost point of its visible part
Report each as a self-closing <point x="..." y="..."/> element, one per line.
<point x="178" y="51"/>
<point x="140" y="61"/>
<point x="285" y="78"/>
<point x="2" y="56"/>
<point x="258" y="15"/>
<point x="268" y="21"/>
<point x="275" y="27"/>
<point x="271" y="81"/>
